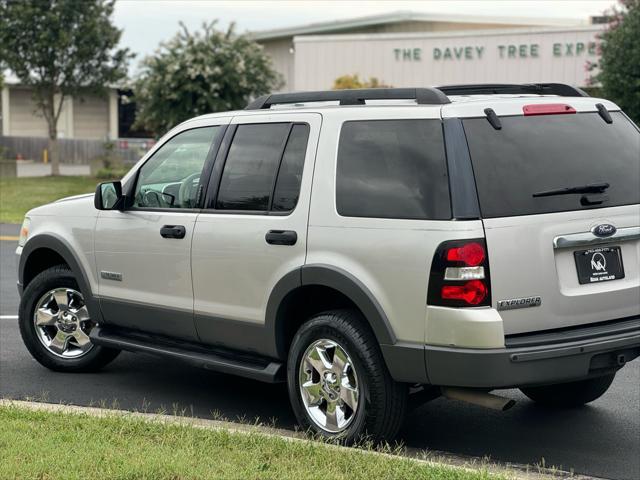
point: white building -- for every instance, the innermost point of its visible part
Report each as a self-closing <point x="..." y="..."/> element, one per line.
<point x="407" y="49"/>
<point x="88" y="117"/>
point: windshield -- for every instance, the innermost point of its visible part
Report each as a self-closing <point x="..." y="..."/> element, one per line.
<point x="533" y="154"/>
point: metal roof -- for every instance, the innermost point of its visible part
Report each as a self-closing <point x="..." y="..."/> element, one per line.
<point x="338" y="26"/>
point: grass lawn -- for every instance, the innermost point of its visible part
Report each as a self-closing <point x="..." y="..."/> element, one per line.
<point x="19" y="195"/>
<point x="56" y="445"/>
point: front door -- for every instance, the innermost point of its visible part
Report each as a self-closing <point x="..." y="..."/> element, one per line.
<point x="254" y="231"/>
<point x="143" y="254"/>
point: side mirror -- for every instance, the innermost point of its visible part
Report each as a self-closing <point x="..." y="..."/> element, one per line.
<point x="108" y="196"/>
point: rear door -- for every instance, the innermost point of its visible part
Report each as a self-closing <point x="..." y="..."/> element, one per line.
<point x="254" y="229"/>
<point x="541" y="245"/>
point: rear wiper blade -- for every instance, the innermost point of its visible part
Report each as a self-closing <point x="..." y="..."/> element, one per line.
<point x="589" y="188"/>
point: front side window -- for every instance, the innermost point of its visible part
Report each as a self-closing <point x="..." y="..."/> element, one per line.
<point x="392" y="169"/>
<point x="263" y="169"/>
<point x="171" y="178"/>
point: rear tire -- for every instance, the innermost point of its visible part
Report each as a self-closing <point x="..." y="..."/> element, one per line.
<point x="572" y="394"/>
<point x="55" y="324"/>
<point x="351" y="379"/>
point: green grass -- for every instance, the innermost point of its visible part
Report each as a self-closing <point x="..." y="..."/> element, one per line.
<point x="19" y="195"/>
<point x="46" y="446"/>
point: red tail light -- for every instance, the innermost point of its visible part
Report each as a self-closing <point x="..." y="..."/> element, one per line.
<point x="459" y="275"/>
<point x="471" y="254"/>
<point x="473" y="292"/>
<point x="548" y="109"/>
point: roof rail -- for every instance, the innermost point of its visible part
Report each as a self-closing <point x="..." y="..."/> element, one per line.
<point x="505" y="88"/>
<point x="422" y="96"/>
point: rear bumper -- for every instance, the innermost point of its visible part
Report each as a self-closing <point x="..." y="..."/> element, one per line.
<point x="545" y="363"/>
<point x="558" y="356"/>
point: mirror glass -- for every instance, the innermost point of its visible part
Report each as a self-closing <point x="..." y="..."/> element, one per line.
<point x="109" y="194"/>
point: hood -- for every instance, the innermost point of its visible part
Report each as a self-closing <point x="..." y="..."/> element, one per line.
<point x="74" y="206"/>
<point x="74" y="197"/>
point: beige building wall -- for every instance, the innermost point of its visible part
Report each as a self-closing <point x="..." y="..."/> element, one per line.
<point x="90" y="117"/>
<point x="281" y="53"/>
<point x="24" y="119"/>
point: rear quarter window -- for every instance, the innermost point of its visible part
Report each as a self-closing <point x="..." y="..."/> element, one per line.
<point x="540" y="153"/>
<point x="392" y="169"/>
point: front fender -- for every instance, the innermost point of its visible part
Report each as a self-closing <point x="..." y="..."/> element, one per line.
<point x="61" y="247"/>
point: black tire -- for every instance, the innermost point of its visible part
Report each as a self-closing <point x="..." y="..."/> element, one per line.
<point x="56" y="277"/>
<point x="572" y="394"/>
<point x="382" y="404"/>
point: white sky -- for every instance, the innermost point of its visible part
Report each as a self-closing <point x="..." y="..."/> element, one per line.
<point x="146" y="23"/>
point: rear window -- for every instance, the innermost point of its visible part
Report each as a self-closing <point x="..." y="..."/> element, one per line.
<point x="392" y="169"/>
<point x="540" y="153"/>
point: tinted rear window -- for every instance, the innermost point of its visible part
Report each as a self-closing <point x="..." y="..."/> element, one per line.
<point x="540" y="153"/>
<point x="251" y="167"/>
<point x="392" y="169"/>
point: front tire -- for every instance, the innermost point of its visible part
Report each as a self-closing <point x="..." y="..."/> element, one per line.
<point x="55" y="324"/>
<point x="339" y="385"/>
<point x="572" y="394"/>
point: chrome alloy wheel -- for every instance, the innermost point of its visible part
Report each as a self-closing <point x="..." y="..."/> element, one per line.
<point x="329" y="385"/>
<point x="62" y="323"/>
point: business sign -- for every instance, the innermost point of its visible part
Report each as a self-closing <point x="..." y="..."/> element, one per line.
<point x="476" y="52"/>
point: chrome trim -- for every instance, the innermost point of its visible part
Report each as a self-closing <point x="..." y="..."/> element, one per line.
<point x="62" y="324"/>
<point x="588" y="238"/>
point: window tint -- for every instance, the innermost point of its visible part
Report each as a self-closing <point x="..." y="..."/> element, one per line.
<point x="392" y="169"/>
<point x="287" y="188"/>
<point x="251" y="167"/>
<point x="540" y="153"/>
<point x="171" y="178"/>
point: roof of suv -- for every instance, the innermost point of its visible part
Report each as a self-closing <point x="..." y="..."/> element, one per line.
<point x="450" y="101"/>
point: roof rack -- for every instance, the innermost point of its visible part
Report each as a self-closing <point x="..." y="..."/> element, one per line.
<point x="422" y="96"/>
<point x="504" y="88"/>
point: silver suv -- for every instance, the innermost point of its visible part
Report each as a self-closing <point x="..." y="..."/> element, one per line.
<point x="367" y="247"/>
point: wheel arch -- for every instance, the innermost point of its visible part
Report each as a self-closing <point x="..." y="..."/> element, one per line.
<point x="46" y="250"/>
<point x="315" y="288"/>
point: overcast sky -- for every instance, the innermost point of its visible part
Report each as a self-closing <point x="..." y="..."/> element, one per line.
<point x="146" y="23"/>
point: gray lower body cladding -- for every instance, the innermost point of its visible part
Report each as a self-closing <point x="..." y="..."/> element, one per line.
<point x="555" y="358"/>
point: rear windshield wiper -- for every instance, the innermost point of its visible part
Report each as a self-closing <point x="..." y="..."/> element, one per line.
<point x="589" y="188"/>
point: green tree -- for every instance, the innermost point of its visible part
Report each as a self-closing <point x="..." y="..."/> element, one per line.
<point x="619" y="64"/>
<point x="197" y="73"/>
<point x="61" y="48"/>
<point x="347" y="82"/>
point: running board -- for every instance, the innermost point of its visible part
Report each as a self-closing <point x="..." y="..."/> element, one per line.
<point x="224" y="361"/>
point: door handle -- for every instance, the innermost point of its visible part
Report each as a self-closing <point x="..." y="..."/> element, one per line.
<point x="281" y="237"/>
<point x="173" y="231"/>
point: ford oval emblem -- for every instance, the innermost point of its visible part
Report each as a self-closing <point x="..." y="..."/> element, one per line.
<point x="604" y="230"/>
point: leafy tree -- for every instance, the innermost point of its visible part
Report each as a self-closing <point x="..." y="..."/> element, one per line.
<point x="61" y="48"/>
<point x="347" y="82"/>
<point x="197" y="73"/>
<point x="620" y="60"/>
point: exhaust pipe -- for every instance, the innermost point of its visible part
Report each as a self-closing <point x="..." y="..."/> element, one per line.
<point x="478" y="397"/>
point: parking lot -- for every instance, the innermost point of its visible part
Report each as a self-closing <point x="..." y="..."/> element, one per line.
<point x="601" y="440"/>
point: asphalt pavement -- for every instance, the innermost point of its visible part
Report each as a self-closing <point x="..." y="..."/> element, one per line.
<point x="601" y="439"/>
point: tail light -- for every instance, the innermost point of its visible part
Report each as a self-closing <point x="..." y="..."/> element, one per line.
<point x="459" y="275"/>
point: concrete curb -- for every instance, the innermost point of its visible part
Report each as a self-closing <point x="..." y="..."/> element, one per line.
<point x="512" y="471"/>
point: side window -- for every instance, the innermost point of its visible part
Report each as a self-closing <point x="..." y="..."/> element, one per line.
<point x="171" y="178"/>
<point x="392" y="169"/>
<point x="287" y="191"/>
<point x="264" y="162"/>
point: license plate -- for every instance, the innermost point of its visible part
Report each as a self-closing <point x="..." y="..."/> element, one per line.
<point x="599" y="264"/>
